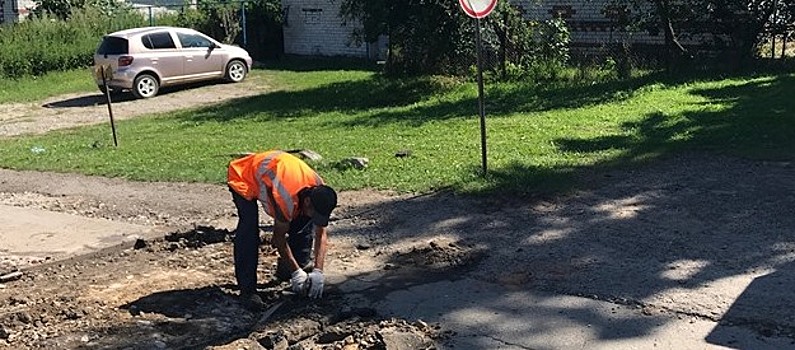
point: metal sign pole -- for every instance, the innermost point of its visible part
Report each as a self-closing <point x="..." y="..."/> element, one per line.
<point x="110" y="109"/>
<point x="481" y="106"/>
<point x="243" y="19"/>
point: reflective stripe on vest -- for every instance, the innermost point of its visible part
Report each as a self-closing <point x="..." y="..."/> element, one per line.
<point x="264" y="196"/>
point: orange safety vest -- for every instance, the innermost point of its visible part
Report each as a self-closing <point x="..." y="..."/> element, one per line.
<point x="275" y="178"/>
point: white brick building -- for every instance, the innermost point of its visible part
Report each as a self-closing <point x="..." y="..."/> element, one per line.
<point x="590" y="22"/>
<point x="313" y="27"/>
<point x="13" y="10"/>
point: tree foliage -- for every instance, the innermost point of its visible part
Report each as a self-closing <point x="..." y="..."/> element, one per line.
<point x="435" y="36"/>
<point x="734" y="27"/>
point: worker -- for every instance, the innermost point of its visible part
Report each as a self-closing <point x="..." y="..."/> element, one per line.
<point x="300" y="203"/>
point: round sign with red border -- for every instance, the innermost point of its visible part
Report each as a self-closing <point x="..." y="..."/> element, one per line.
<point x="477" y="8"/>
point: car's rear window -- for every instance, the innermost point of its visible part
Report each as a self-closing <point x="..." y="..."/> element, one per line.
<point x="112" y="45"/>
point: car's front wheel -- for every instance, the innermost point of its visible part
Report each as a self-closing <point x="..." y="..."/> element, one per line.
<point x="145" y="86"/>
<point x="236" y="71"/>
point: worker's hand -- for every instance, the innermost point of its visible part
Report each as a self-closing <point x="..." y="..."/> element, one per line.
<point x="316" y="283"/>
<point x="298" y="281"/>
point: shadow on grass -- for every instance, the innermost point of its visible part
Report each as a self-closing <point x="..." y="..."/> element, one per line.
<point x="759" y="122"/>
<point x="126" y="96"/>
<point x="379" y="100"/>
<point x="313" y="64"/>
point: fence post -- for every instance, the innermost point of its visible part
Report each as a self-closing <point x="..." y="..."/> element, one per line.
<point x="243" y="19"/>
<point x="151" y="17"/>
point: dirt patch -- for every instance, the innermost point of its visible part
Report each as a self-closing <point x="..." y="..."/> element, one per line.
<point x="178" y="293"/>
<point x="90" y="108"/>
<point x="441" y="253"/>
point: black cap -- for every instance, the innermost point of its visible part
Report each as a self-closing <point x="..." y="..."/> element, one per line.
<point x="324" y="199"/>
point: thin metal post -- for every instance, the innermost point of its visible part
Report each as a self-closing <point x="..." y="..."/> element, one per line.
<point x="110" y="109"/>
<point x="775" y="20"/>
<point x="151" y="17"/>
<point x="481" y="107"/>
<point x="243" y="19"/>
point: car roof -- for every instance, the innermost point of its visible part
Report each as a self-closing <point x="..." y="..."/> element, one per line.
<point x="127" y="33"/>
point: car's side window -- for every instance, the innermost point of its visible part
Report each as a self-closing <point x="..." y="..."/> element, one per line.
<point x="158" y="41"/>
<point x="194" y="40"/>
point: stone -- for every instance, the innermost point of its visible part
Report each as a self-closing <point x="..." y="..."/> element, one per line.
<point x="309" y="155"/>
<point x="140" y="244"/>
<point x="334" y="334"/>
<point x="358" y="163"/>
<point x="402" y="340"/>
<point x="403" y="153"/>
<point x="240" y="344"/>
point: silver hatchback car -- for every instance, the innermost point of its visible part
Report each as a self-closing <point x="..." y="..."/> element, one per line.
<point x="145" y="59"/>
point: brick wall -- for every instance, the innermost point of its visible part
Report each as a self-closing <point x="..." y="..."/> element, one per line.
<point x="14" y="10"/>
<point x="313" y="27"/>
<point x="589" y="22"/>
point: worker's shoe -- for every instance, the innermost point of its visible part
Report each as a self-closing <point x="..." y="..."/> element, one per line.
<point x="252" y="301"/>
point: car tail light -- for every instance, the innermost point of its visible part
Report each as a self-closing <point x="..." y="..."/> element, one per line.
<point x="125" y="61"/>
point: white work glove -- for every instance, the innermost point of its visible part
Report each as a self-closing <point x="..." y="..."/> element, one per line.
<point x="316" y="283"/>
<point x="298" y="281"/>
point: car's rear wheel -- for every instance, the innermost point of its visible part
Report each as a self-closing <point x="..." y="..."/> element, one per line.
<point x="236" y="71"/>
<point x="145" y="86"/>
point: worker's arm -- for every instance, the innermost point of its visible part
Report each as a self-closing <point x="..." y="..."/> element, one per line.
<point x="280" y="229"/>
<point x="321" y="242"/>
<point x="316" y="277"/>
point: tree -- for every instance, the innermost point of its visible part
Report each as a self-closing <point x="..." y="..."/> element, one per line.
<point x="435" y="36"/>
<point x="734" y="27"/>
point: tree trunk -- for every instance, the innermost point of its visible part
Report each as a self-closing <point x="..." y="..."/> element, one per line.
<point x="674" y="50"/>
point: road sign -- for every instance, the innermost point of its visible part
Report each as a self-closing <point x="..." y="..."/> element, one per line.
<point x="477" y="8"/>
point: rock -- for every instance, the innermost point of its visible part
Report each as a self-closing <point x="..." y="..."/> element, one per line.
<point x="353" y="162"/>
<point x="334" y="334"/>
<point x="24" y="317"/>
<point x="140" y="244"/>
<point x="363" y="246"/>
<point x="275" y="340"/>
<point x="402" y="340"/>
<point x="134" y="310"/>
<point x="301" y="328"/>
<point x="12" y="276"/>
<point x="72" y="314"/>
<point x="7" y="267"/>
<point x="240" y="344"/>
<point x="4" y="333"/>
<point x="309" y="155"/>
<point x="403" y="153"/>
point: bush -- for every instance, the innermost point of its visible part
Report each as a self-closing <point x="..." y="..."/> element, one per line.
<point x="44" y="44"/>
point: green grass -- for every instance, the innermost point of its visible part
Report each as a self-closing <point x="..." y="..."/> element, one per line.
<point x="539" y="136"/>
<point x="34" y="89"/>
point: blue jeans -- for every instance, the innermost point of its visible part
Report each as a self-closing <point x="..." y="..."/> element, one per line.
<point x="246" y="245"/>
